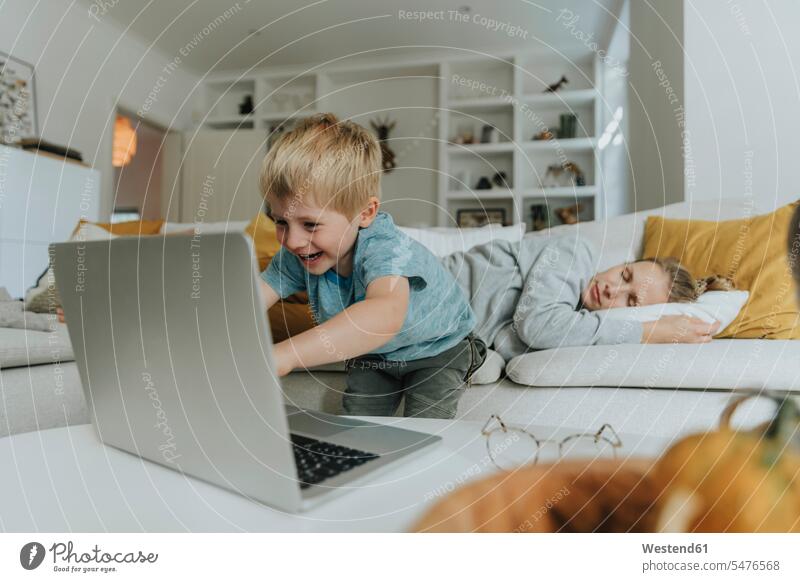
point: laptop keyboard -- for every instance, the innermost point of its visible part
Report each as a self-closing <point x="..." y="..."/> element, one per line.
<point x="317" y="460"/>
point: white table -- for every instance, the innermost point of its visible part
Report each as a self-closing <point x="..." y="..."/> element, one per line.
<point x="65" y="479"/>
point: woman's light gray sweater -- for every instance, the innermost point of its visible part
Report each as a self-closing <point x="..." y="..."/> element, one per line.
<point x="527" y="295"/>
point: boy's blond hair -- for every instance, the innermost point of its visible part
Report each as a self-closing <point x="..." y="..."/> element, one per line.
<point x="329" y="163"/>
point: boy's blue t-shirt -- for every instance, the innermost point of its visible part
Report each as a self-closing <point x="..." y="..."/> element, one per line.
<point x="438" y="316"/>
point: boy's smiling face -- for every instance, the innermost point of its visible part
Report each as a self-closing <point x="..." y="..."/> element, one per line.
<point x="321" y="238"/>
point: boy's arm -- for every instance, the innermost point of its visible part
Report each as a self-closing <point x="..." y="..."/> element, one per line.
<point x="359" y="329"/>
<point x="268" y="294"/>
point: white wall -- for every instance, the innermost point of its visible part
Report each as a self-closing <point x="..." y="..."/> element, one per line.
<point x="656" y="103"/>
<point x="408" y="192"/>
<point x="743" y="99"/>
<point x="615" y="135"/>
<point x="82" y="67"/>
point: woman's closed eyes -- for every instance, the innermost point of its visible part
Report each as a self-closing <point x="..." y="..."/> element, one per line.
<point x="627" y="276"/>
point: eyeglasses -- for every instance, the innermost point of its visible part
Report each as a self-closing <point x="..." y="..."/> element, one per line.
<point x="511" y="447"/>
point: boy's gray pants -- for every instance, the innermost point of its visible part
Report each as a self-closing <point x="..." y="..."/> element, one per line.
<point x="431" y="386"/>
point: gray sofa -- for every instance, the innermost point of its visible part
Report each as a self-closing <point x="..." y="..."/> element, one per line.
<point x="646" y="389"/>
<point x="39" y="383"/>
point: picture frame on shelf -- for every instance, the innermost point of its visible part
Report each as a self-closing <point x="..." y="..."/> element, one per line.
<point x="18" y="116"/>
<point x="477" y="217"/>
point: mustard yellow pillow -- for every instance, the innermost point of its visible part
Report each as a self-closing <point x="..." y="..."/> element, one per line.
<point x="292" y="315"/>
<point x="262" y="230"/>
<point x="130" y="228"/>
<point x="752" y="252"/>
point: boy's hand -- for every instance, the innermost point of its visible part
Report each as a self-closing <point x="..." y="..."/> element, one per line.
<point x="285" y="356"/>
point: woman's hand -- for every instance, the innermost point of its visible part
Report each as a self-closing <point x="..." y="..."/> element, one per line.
<point x="678" y="329"/>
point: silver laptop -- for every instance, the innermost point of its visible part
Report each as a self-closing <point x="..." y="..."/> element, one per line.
<point x="175" y="356"/>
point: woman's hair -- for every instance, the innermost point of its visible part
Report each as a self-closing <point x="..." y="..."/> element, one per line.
<point x="684" y="288"/>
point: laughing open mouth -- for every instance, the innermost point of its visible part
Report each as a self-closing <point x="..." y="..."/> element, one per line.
<point x="310" y="258"/>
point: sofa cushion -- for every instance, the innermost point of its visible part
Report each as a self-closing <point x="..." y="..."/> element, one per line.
<point x="265" y="239"/>
<point x="41" y="397"/>
<point x="660" y="413"/>
<point x="751" y="251"/>
<point x="443" y="241"/>
<point x="129" y="228"/>
<point x="20" y="347"/>
<point x="488" y="373"/>
<point x="621" y="238"/>
<point x="719" y="364"/>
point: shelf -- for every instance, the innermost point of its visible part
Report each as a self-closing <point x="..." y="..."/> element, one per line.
<point x="481" y="148"/>
<point x="493" y="194"/>
<point x="281" y="116"/>
<point x="480" y="104"/>
<point x="560" y="192"/>
<point x="228" y="118"/>
<point x="575" y="98"/>
<point x="570" y="144"/>
<point x="229" y="121"/>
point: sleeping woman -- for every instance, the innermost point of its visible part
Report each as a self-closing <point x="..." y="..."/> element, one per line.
<point x="543" y="293"/>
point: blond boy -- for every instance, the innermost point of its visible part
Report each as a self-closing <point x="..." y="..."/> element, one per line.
<point x="383" y="303"/>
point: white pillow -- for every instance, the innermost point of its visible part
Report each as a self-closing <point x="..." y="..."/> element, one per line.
<point x="722" y="306"/>
<point x="444" y="241"/>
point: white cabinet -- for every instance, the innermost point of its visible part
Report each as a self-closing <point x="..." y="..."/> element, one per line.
<point x="41" y="201"/>
<point x="220" y="175"/>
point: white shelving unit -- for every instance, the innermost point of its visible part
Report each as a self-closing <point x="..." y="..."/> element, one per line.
<point x="511" y="99"/>
<point x="504" y="91"/>
<point x="276" y="99"/>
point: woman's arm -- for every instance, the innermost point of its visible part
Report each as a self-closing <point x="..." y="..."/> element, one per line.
<point x="547" y="314"/>
<point x="678" y="329"/>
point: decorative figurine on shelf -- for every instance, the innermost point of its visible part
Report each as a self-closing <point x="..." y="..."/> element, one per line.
<point x="545" y="134"/>
<point x="539" y="217"/>
<point x="568" y="124"/>
<point x="383" y="127"/>
<point x="566" y="174"/>
<point x="489" y="134"/>
<point x="246" y="106"/>
<point x="499" y="180"/>
<point x="483" y="183"/>
<point x="575" y="173"/>
<point x="556" y="86"/>
<point x="465" y="136"/>
<point x="569" y="214"/>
